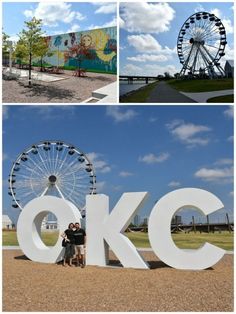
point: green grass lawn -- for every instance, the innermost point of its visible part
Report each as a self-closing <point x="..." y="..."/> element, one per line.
<point x="10" y="238"/>
<point x="222" y="99"/>
<point x="188" y="241"/>
<point x="197" y="86"/>
<point x="140" y="239"/>
<point x="140" y="95"/>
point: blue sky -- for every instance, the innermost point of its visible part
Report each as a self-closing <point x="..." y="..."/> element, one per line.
<point x="58" y="17"/>
<point x="149" y="32"/>
<point x="134" y="148"/>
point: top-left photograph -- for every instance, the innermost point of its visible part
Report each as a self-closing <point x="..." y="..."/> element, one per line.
<point x="59" y="52"/>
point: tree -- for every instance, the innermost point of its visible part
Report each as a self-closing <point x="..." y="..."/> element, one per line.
<point x="21" y="52"/>
<point x="167" y="75"/>
<point x="7" y="48"/>
<point x="42" y="51"/>
<point x="31" y="38"/>
<point x="5" y="43"/>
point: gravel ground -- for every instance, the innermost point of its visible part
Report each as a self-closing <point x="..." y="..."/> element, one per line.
<point x="71" y="90"/>
<point x="30" y="286"/>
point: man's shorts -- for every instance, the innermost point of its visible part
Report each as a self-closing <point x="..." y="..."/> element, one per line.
<point x="79" y="249"/>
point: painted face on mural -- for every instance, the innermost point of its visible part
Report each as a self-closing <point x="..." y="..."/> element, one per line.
<point x="86" y="41"/>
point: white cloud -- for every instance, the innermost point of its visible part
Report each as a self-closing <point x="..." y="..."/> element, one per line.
<point x="229" y="28"/>
<point x="226" y="21"/>
<point x="74" y="28"/>
<point x="99" y="164"/>
<point x="146" y="42"/>
<point x="14" y="38"/>
<point x="121" y="22"/>
<point x="120" y="115"/>
<point x="199" y="8"/>
<point x="4" y="156"/>
<point x="148" y="58"/>
<point x="217" y="12"/>
<point x="52" y="13"/>
<point x="5" y="112"/>
<point x="107" y="8"/>
<point x="125" y="174"/>
<point x="152" y="119"/>
<point x="174" y="184"/>
<point x="188" y="133"/>
<point x="231" y="193"/>
<point x="58" y="32"/>
<point x="47" y="112"/>
<point x="229" y="55"/>
<point x="229" y="112"/>
<point x="230" y="138"/>
<point x="131" y="69"/>
<point x="224" y="161"/>
<point x="151" y="158"/>
<point x="143" y="17"/>
<point x="100" y="186"/>
<point x="218" y="175"/>
<point x="149" y="69"/>
<point x="107" y="24"/>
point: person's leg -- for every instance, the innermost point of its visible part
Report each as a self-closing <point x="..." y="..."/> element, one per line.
<point x="77" y="255"/>
<point x="82" y="256"/>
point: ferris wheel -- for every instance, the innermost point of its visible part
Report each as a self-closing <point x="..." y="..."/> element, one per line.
<point x="52" y="168"/>
<point x="201" y="43"/>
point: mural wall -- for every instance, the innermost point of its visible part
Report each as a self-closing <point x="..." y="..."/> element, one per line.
<point x="94" y="50"/>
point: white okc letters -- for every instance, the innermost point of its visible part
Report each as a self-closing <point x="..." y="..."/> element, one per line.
<point x="105" y="229"/>
<point x="159" y="229"/>
<point x="29" y="227"/>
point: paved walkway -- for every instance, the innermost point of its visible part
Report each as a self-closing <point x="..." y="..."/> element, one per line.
<point x="164" y="93"/>
<point x="202" y="97"/>
<point x="38" y="76"/>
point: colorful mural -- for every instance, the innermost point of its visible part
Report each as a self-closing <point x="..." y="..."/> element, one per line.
<point x="95" y="50"/>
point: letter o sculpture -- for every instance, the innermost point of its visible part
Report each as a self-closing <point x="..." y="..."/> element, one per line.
<point x="29" y="227"/>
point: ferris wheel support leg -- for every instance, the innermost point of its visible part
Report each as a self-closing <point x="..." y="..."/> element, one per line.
<point x="219" y="68"/>
<point x="207" y="62"/>
<point x="185" y="66"/>
<point x="195" y="61"/>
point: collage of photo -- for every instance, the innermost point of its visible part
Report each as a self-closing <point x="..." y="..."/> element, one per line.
<point x="112" y="99"/>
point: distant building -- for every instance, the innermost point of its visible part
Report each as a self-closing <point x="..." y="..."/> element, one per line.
<point x="6" y="222"/>
<point x="49" y="222"/>
<point x="176" y="219"/>
<point x="229" y="68"/>
<point x="145" y="221"/>
<point x="136" y="220"/>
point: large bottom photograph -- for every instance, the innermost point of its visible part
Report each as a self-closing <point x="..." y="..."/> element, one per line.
<point x="117" y="208"/>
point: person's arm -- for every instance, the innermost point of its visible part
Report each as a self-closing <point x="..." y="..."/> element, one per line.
<point x="64" y="236"/>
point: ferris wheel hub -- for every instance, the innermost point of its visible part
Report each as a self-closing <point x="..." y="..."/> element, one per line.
<point x="52" y="179"/>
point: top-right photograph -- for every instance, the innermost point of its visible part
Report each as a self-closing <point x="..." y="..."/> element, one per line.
<point x="176" y="52"/>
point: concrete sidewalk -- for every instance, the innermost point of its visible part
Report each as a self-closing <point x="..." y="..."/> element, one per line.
<point x="164" y="93"/>
<point x="106" y="94"/>
<point x="203" y="97"/>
